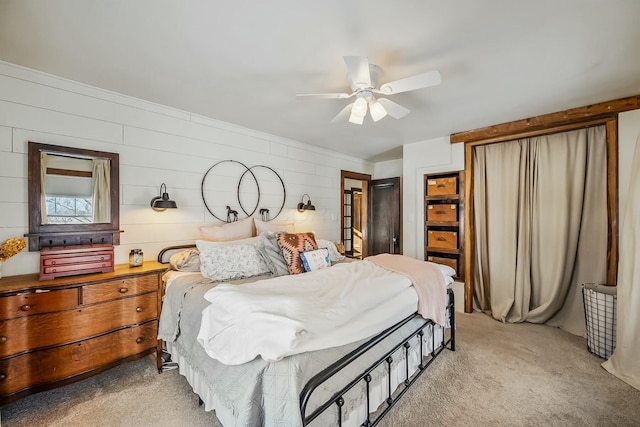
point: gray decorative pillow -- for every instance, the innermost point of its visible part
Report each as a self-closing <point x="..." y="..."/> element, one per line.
<point x="187" y="260"/>
<point x="272" y="254"/>
<point x="232" y="262"/>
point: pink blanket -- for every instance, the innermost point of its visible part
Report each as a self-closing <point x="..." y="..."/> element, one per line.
<point x="427" y="280"/>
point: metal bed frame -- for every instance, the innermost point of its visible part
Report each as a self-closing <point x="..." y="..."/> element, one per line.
<point x="393" y="396"/>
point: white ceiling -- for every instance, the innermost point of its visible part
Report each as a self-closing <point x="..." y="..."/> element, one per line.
<point x="244" y="61"/>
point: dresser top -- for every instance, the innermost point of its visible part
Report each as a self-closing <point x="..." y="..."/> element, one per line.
<point x="26" y="282"/>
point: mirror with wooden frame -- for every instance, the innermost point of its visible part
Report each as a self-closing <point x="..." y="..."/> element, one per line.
<point x="73" y="196"/>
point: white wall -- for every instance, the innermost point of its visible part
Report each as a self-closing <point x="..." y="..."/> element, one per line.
<point x="156" y="144"/>
<point x="387" y="169"/>
<point x="420" y="158"/>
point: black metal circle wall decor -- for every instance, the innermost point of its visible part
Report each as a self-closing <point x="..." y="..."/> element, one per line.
<point x="232" y="215"/>
<point x="264" y="212"/>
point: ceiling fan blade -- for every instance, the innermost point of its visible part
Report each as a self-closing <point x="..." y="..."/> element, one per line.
<point x="342" y="115"/>
<point x="359" y="73"/>
<point x="431" y="78"/>
<point x="396" y="111"/>
<point x="325" y="95"/>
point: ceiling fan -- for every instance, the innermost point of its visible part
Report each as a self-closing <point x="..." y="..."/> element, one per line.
<point x="364" y="79"/>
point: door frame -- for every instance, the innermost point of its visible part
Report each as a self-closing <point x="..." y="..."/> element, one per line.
<point x="365" y="179"/>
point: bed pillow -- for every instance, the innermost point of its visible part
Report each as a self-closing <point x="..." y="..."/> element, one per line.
<point x="186" y="260"/>
<point x="334" y="255"/>
<point x="445" y="269"/>
<point x="291" y="246"/>
<point x="230" y="262"/>
<point x="264" y="226"/>
<point x="227" y="231"/>
<point x="268" y="247"/>
<point x="315" y="260"/>
<point x="205" y="244"/>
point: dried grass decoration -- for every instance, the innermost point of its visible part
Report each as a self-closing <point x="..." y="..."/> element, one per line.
<point x="11" y="247"/>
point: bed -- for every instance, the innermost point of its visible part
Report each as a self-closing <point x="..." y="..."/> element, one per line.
<point x="325" y="379"/>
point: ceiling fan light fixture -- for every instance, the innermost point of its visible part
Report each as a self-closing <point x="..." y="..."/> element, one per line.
<point x="358" y="111"/>
<point x="360" y="107"/>
<point x="377" y="111"/>
<point x="355" y="119"/>
<point x="364" y="78"/>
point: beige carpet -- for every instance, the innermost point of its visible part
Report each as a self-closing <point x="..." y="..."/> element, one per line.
<point x="501" y="375"/>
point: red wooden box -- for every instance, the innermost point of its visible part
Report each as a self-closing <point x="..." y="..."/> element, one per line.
<point x="61" y="261"/>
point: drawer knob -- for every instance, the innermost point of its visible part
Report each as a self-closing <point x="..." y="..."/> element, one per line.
<point x="441" y="239"/>
<point x="3" y="339"/>
<point x="441" y="212"/>
<point x="3" y="376"/>
<point x="139" y="340"/>
<point x="101" y="258"/>
<point x="25" y="307"/>
<point x="53" y="263"/>
<point x="139" y="309"/>
<point x="123" y="290"/>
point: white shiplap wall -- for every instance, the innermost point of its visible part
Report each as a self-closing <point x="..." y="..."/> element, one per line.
<point x="156" y="144"/>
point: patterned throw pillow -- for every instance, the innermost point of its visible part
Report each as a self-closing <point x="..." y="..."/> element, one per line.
<point x="232" y="262"/>
<point x="315" y="260"/>
<point x="292" y="245"/>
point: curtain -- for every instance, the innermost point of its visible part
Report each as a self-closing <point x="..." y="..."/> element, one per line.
<point x="624" y="362"/>
<point x="101" y="190"/>
<point x="44" y="160"/>
<point x="540" y="215"/>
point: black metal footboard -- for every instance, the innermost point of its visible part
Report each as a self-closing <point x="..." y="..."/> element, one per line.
<point x="392" y="396"/>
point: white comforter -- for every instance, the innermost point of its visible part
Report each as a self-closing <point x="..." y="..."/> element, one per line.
<point x="286" y="315"/>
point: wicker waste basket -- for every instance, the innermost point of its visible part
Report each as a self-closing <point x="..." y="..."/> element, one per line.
<point x="600" y="316"/>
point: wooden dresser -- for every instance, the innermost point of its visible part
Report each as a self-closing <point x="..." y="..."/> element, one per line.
<point x="54" y="332"/>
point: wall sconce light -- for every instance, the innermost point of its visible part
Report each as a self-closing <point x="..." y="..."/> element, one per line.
<point x="306" y="207"/>
<point x="162" y="202"/>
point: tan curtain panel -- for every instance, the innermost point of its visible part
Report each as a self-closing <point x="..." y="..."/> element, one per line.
<point x="625" y="361"/>
<point x="101" y="190"/>
<point x="540" y="216"/>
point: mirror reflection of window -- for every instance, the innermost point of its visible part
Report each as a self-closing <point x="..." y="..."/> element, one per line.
<point x="76" y="190"/>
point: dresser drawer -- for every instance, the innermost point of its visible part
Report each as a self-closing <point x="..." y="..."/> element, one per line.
<point x="442" y="186"/>
<point x="442" y="239"/>
<point x="47" y="366"/>
<point x="119" y="288"/>
<point x="451" y="262"/>
<point x="63" y="259"/>
<point x="72" y="325"/>
<point x="442" y="212"/>
<point x="70" y="268"/>
<point x="37" y="302"/>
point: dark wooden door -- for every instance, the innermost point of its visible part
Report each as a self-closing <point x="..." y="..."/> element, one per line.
<point x="384" y="228"/>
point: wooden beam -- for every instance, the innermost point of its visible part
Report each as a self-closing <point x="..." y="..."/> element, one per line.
<point x="469" y="249"/>
<point x="574" y="115"/>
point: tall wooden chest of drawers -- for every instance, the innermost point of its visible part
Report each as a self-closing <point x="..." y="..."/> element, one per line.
<point x="54" y="332"/>
<point x="444" y="225"/>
